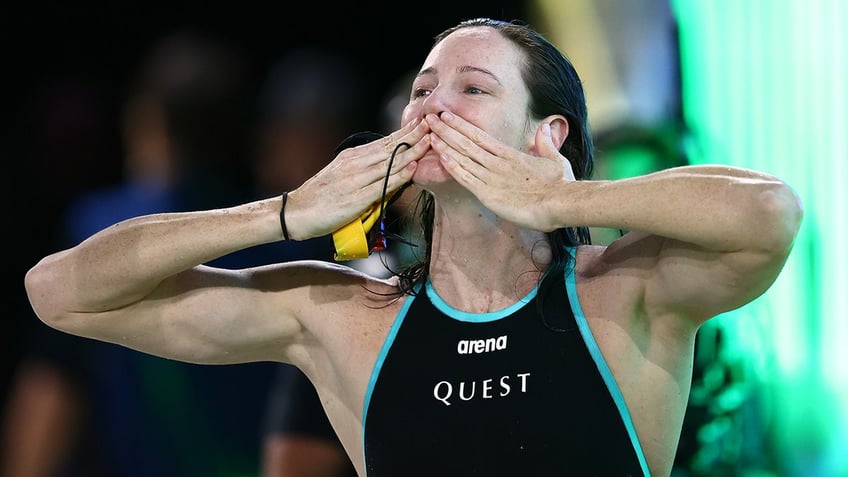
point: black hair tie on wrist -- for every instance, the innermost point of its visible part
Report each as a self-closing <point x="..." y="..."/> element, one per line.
<point x="283" y="216"/>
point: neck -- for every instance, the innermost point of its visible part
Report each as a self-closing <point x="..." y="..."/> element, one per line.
<point x="482" y="263"/>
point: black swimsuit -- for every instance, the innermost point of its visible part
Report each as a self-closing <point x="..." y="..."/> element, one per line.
<point x="507" y="393"/>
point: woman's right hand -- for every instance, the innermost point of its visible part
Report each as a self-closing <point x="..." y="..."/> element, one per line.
<point x="353" y="181"/>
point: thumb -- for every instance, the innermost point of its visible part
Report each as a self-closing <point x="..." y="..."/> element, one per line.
<point x="545" y="146"/>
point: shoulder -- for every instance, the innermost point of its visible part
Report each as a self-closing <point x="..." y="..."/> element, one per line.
<point x="340" y="313"/>
<point x="633" y="252"/>
<point x="625" y="283"/>
<point x="611" y="279"/>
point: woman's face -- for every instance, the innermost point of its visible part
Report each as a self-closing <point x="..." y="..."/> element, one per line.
<point x="476" y="74"/>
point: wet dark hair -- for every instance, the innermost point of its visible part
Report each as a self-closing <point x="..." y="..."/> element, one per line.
<point x="555" y="88"/>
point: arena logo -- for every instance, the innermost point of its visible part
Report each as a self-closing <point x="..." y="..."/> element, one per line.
<point x="481" y="346"/>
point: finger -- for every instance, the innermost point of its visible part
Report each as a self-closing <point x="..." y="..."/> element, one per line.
<point x="468" y="161"/>
<point x="374" y="150"/>
<point x="400" y="166"/>
<point x="414" y="132"/>
<point x="369" y="162"/>
<point x="454" y="137"/>
<point x="402" y="177"/>
<point x="473" y="166"/>
<point x="465" y="171"/>
<point x="406" y="154"/>
<point x="410" y="133"/>
<point x="468" y="138"/>
<point x="363" y="157"/>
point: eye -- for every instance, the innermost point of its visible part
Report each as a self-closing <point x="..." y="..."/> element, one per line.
<point x="420" y="93"/>
<point x="474" y="90"/>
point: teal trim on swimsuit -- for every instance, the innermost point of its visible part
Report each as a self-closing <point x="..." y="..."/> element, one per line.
<point x="603" y="368"/>
<point x="460" y="315"/>
<point x="465" y="316"/>
<point x="447" y="310"/>
<point x="378" y="365"/>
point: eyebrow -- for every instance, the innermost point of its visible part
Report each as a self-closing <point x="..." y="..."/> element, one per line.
<point x="462" y="69"/>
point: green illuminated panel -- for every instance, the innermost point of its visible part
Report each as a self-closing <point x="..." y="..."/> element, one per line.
<point x="764" y="85"/>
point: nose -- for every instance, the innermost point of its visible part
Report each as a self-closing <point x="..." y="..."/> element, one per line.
<point x="435" y="103"/>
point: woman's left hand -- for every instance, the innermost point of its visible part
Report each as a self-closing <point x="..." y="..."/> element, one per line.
<point x="511" y="183"/>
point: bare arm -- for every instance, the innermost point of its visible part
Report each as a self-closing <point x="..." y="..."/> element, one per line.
<point x="124" y="263"/>
<point x="141" y="282"/>
<point x="707" y="238"/>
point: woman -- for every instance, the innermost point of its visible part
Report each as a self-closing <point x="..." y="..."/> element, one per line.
<point x="514" y="347"/>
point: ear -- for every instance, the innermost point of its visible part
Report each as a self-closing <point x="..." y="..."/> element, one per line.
<point x="559" y="129"/>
